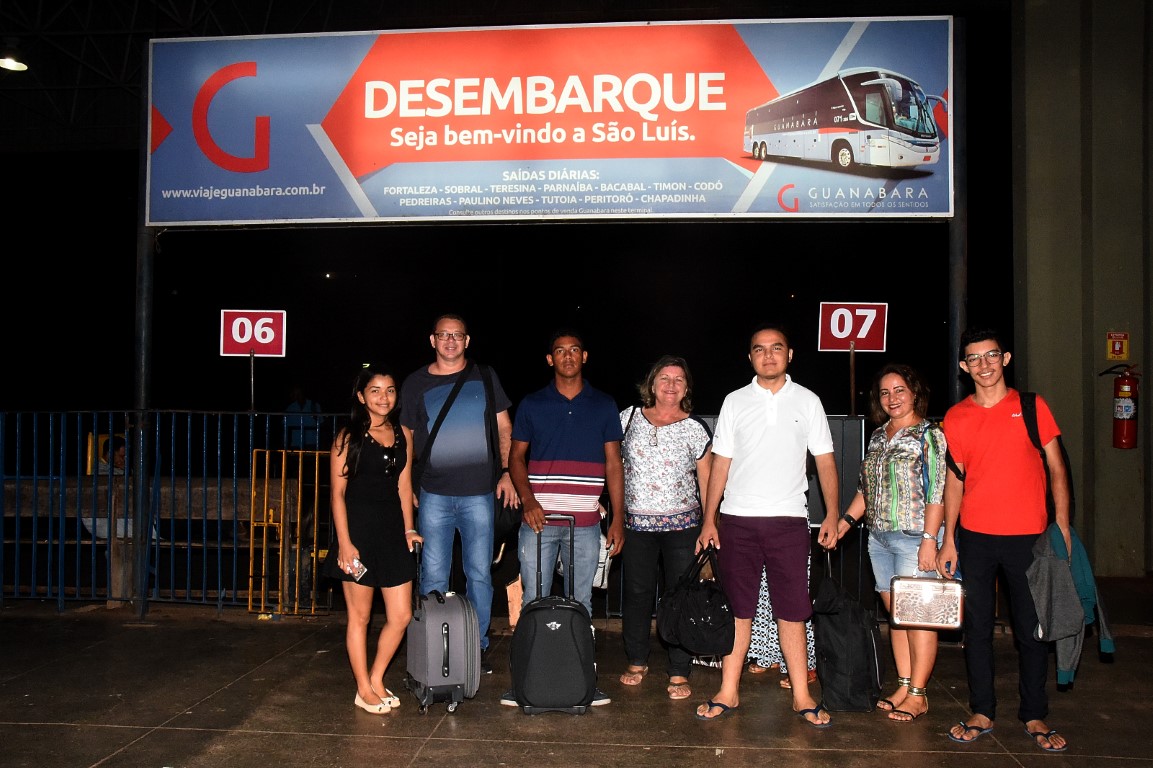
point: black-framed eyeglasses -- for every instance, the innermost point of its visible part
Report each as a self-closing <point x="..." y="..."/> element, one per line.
<point x="446" y="335"/>
<point x="992" y="356"/>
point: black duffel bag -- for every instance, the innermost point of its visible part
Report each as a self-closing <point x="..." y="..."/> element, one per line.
<point x="695" y="614"/>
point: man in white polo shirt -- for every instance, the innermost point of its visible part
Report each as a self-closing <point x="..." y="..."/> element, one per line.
<point x="763" y="436"/>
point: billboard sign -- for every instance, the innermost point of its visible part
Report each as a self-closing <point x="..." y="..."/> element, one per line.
<point x="781" y="118"/>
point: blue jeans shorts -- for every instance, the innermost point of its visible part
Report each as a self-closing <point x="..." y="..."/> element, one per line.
<point x="894" y="553"/>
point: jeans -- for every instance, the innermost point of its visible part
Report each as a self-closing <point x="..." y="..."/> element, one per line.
<point x="639" y="577"/>
<point x="440" y="517"/>
<point x="982" y="556"/>
<point x="894" y="553"/>
<point x="554" y="543"/>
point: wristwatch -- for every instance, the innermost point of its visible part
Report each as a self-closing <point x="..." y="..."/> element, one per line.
<point x="927" y="535"/>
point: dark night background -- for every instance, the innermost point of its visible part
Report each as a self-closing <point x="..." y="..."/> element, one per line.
<point x="636" y="289"/>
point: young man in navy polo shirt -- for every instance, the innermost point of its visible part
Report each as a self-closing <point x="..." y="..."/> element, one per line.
<point x="566" y="449"/>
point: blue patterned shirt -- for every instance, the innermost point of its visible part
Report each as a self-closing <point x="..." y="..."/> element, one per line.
<point x="900" y="476"/>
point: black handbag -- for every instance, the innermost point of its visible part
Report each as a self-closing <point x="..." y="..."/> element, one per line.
<point x="695" y="614"/>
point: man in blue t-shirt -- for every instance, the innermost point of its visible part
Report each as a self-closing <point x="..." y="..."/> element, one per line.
<point x="456" y="482"/>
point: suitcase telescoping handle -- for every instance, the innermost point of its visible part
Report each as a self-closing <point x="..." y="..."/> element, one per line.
<point x="571" y="554"/>
<point x="416" y="584"/>
<point x="417" y="612"/>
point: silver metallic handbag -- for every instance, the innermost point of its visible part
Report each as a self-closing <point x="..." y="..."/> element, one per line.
<point x="925" y="603"/>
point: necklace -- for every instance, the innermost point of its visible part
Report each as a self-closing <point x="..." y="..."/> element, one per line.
<point x="388" y="452"/>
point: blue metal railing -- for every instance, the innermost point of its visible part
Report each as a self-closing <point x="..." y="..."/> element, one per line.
<point x="172" y="525"/>
<point x="177" y="526"/>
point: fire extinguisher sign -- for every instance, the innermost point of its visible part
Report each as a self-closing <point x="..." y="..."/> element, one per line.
<point x="256" y="332"/>
<point x="1118" y="345"/>
<point x="852" y="326"/>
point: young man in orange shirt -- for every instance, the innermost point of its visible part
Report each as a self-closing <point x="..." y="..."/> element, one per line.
<point x="993" y="516"/>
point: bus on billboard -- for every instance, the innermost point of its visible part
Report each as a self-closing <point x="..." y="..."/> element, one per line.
<point x="860" y="116"/>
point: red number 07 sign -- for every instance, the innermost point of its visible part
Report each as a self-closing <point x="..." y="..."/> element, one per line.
<point x="258" y="332"/>
<point x="846" y="326"/>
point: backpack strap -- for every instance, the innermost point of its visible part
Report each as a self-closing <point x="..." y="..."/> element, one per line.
<point x="925" y="462"/>
<point x="460" y="377"/>
<point x="1029" y="414"/>
<point x="951" y="463"/>
<point x="491" y="429"/>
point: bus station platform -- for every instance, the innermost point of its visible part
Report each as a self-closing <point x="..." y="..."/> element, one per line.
<point x="197" y="687"/>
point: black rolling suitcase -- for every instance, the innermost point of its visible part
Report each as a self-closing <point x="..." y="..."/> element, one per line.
<point x="552" y="657"/>
<point x="443" y="648"/>
<point x="850" y="663"/>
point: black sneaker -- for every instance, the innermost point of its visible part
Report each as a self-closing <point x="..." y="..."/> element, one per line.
<point x="600" y="698"/>
<point x="508" y="698"/>
<point x="485" y="667"/>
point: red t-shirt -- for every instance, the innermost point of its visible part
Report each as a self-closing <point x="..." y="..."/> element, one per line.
<point x="1004" y="474"/>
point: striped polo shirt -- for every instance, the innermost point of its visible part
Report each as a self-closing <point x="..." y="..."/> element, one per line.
<point x="566" y="448"/>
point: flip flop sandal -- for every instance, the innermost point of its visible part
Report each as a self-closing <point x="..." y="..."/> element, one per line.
<point x="815" y="712"/>
<point x="678" y="691"/>
<point x="909" y="716"/>
<point x="757" y="669"/>
<point x="886" y="705"/>
<point x="980" y="732"/>
<point x="634" y="676"/>
<point x="1037" y="735"/>
<point x="724" y="710"/>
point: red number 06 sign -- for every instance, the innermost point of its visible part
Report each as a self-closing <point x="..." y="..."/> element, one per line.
<point x="258" y="332"/>
<point x="860" y="325"/>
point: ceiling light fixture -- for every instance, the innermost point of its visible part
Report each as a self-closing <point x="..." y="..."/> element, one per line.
<point x="10" y="58"/>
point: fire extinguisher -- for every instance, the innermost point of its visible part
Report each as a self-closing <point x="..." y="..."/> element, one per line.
<point x="1125" y="390"/>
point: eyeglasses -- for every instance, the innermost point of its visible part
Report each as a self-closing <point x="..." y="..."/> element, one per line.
<point x="992" y="356"/>
<point x="446" y="335"/>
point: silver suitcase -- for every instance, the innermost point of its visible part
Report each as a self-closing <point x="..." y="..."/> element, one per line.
<point x="923" y="603"/>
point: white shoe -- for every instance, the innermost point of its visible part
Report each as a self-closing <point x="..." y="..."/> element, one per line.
<point x="372" y="709"/>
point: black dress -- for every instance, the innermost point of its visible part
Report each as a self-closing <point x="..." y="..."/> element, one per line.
<point x="375" y="521"/>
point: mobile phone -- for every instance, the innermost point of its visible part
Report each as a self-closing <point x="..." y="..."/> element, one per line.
<point x="358" y="570"/>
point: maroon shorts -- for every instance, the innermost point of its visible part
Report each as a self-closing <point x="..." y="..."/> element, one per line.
<point x="779" y="545"/>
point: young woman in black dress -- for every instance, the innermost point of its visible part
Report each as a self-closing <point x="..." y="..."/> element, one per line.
<point x="372" y="514"/>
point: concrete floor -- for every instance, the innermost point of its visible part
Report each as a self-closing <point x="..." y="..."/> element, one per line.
<point x="187" y="687"/>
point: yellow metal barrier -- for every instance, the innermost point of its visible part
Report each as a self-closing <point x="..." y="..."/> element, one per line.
<point x="285" y="545"/>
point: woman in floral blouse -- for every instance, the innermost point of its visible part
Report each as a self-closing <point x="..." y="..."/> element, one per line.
<point x="666" y="452"/>
<point x="901" y="491"/>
